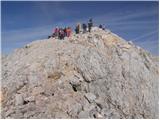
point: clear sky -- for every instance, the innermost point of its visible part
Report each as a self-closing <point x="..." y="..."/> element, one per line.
<point x="23" y="22"/>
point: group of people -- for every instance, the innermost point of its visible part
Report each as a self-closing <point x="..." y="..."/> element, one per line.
<point x="60" y="33"/>
<point x="84" y="27"/>
<point x="101" y="27"/>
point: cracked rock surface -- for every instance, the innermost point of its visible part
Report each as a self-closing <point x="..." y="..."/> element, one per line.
<point x="91" y="75"/>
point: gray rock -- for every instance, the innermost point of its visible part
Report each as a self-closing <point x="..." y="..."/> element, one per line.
<point x="99" y="116"/>
<point x="60" y="115"/>
<point x="83" y="114"/>
<point x="30" y="99"/>
<point x="89" y="75"/>
<point x="19" y="99"/>
<point x="90" y="97"/>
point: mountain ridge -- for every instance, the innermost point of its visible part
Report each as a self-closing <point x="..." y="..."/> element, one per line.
<point x="91" y="75"/>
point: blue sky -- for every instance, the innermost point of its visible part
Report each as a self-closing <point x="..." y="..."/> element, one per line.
<point x="23" y="22"/>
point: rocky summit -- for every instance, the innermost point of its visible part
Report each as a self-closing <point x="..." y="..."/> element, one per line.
<point x="91" y="75"/>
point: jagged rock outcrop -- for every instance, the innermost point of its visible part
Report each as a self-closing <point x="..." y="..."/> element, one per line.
<point x="91" y="75"/>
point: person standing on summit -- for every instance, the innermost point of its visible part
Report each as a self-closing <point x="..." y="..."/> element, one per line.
<point x="84" y="26"/>
<point x="61" y="34"/>
<point x="90" y="25"/>
<point x="78" y="28"/>
<point x="56" y="32"/>
<point x="68" y="31"/>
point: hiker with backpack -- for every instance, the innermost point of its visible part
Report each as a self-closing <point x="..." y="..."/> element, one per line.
<point x="90" y="25"/>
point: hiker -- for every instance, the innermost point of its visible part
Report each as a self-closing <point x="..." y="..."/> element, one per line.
<point x="84" y="26"/>
<point x="61" y="34"/>
<point x="78" y="27"/>
<point x="49" y="36"/>
<point x="76" y="30"/>
<point x="90" y="25"/>
<point x="100" y="26"/>
<point x="103" y="27"/>
<point x="68" y="31"/>
<point x="53" y="34"/>
<point x="65" y="32"/>
<point x="56" y="32"/>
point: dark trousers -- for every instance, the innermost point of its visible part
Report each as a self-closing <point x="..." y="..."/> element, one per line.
<point x="89" y="29"/>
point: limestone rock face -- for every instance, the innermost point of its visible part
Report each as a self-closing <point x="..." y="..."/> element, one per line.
<point x="91" y="75"/>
